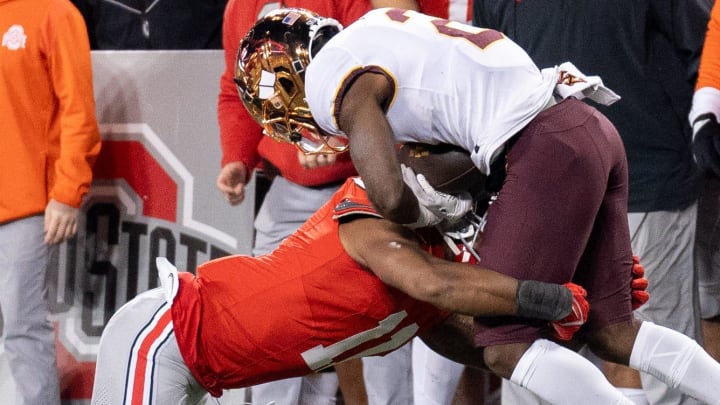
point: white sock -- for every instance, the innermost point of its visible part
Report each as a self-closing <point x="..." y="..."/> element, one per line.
<point x="676" y="360"/>
<point x="636" y="395"/>
<point x="561" y="376"/>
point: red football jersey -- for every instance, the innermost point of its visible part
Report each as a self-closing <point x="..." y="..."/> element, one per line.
<point x="244" y="321"/>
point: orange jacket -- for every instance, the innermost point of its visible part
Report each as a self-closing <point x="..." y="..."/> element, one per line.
<point x="709" y="73"/>
<point x="49" y="136"/>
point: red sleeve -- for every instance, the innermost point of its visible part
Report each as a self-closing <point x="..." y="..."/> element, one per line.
<point x="436" y="8"/>
<point x="351" y="11"/>
<point x="239" y="133"/>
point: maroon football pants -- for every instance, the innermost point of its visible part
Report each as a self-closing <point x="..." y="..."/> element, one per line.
<point x="561" y="215"/>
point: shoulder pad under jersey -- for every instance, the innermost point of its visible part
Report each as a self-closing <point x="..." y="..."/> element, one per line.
<point x="355" y="202"/>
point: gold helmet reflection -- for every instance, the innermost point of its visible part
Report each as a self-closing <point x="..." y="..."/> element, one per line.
<point x="270" y="73"/>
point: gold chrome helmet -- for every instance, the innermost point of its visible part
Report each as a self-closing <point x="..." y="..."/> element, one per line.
<point x="270" y="75"/>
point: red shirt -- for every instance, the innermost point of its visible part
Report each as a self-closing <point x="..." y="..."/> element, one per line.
<point x="244" y="321"/>
<point x="240" y="136"/>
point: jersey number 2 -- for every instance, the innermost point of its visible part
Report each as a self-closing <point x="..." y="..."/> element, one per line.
<point x="478" y="36"/>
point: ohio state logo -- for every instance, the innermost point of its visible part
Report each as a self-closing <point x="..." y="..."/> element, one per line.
<point x="140" y="206"/>
<point x="14" y="38"/>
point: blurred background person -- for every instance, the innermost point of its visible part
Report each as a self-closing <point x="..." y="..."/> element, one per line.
<point x="647" y="52"/>
<point x="706" y="146"/>
<point x="131" y="24"/>
<point x="49" y="142"/>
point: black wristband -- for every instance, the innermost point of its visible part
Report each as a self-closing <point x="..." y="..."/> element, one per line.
<point x="537" y="299"/>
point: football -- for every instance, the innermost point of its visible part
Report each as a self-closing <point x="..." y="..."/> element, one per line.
<point x="447" y="168"/>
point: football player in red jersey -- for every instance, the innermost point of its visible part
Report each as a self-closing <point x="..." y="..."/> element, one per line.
<point x="298" y="186"/>
<point x="347" y="284"/>
<point x="398" y="76"/>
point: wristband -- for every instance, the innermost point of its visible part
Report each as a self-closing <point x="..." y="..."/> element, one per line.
<point x="537" y="299"/>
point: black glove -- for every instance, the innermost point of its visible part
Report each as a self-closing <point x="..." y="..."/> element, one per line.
<point x="706" y="143"/>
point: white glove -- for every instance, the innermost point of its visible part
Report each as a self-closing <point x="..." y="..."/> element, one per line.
<point x="435" y="206"/>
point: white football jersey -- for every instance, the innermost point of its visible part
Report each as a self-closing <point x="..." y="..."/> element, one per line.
<point x="454" y="83"/>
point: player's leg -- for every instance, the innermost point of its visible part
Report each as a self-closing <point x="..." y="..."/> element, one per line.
<point x="512" y="393"/>
<point x="281" y="392"/>
<point x="29" y="338"/>
<point x="139" y="361"/>
<point x="612" y="332"/>
<point x="668" y="262"/>
<point x="352" y="384"/>
<point x="711" y="336"/>
<point x="545" y="212"/>
<point x="540" y="367"/>
<point x="707" y="261"/>
<point x="664" y="242"/>
<point x="320" y="388"/>
<point x="553" y="373"/>
<point x="538" y="228"/>
<point x="235" y="396"/>
<point x="435" y="377"/>
<point x="604" y="269"/>
<point x="670" y="356"/>
<point x="388" y="379"/>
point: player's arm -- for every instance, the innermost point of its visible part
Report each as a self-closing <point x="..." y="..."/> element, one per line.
<point x="240" y="135"/>
<point x="391" y="252"/>
<point x="398" y="194"/>
<point x="372" y="146"/>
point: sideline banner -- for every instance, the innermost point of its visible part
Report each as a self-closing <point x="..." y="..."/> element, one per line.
<point x="153" y="194"/>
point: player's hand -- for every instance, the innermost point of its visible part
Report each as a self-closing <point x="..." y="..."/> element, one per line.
<point x="564" y="329"/>
<point x="60" y="222"/>
<point x="231" y="182"/>
<point x="316" y="160"/>
<point x="435" y="206"/>
<point x="638" y="285"/>
<point x="706" y="143"/>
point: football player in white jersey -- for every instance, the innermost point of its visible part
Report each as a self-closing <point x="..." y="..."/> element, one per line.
<point x="436" y="379"/>
<point x="560" y="214"/>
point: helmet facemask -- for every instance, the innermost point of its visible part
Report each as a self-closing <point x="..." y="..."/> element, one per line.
<point x="270" y="72"/>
